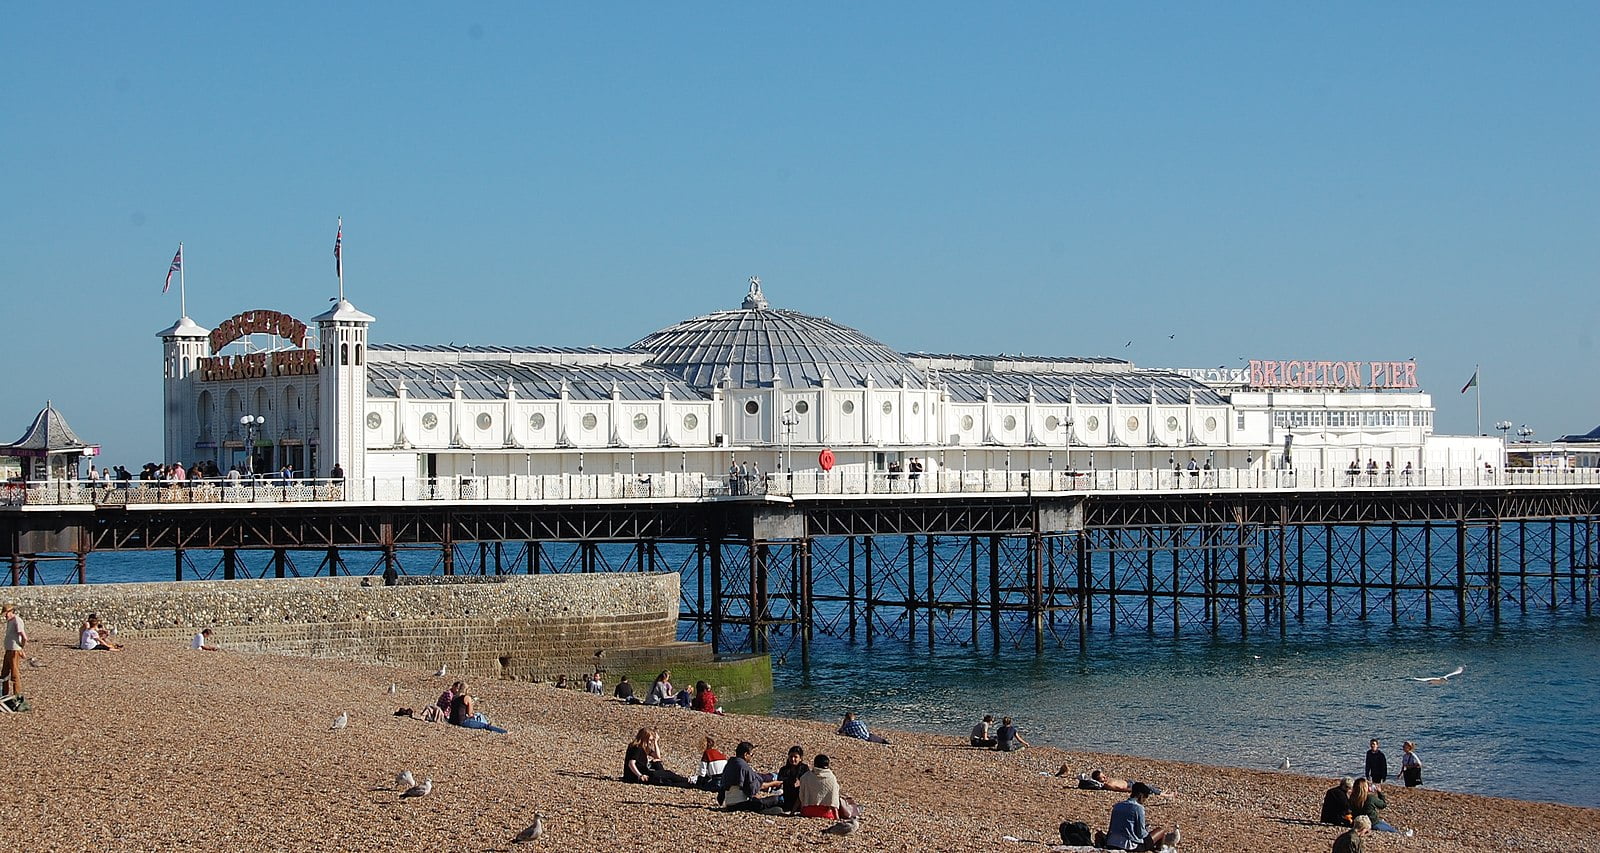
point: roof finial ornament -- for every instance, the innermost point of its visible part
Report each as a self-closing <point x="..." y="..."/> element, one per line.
<point x="754" y="301"/>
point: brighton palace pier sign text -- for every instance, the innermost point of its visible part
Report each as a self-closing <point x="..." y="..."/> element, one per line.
<point x="1381" y="375"/>
<point x="255" y="365"/>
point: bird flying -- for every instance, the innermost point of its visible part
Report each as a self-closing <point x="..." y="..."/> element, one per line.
<point x="421" y="790"/>
<point x="533" y="831"/>
<point x="1440" y="679"/>
<point x="340" y="721"/>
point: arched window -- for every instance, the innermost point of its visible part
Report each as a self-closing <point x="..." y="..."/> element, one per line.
<point x="344" y="353"/>
<point x="358" y="355"/>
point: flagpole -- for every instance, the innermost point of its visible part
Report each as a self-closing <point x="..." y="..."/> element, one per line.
<point x="340" y="259"/>
<point x="1477" y="393"/>
<point x="183" y="294"/>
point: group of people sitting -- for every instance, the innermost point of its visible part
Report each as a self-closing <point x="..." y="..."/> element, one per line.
<point x="1003" y="739"/>
<point x="1350" y="799"/>
<point x="662" y="693"/>
<point x="458" y="708"/>
<point x="796" y="788"/>
<point x="95" y="637"/>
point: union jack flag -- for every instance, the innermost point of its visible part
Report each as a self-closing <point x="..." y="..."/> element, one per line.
<point x="338" y="262"/>
<point x="177" y="265"/>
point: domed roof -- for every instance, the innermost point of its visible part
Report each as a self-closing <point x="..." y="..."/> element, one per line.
<point x="756" y="345"/>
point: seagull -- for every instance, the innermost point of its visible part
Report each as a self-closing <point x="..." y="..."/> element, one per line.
<point x="533" y="832"/>
<point x="1128" y="344"/>
<point x="35" y="663"/>
<point x="441" y="671"/>
<point x="1172" y="337"/>
<point x="404" y="780"/>
<point x="843" y="827"/>
<point x="1173" y="837"/>
<point x="393" y="688"/>
<point x="340" y="721"/>
<point x="422" y="790"/>
<point x="1284" y="764"/>
<point x="1440" y="679"/>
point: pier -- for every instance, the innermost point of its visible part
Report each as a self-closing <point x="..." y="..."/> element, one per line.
<point x="986" y="560"/>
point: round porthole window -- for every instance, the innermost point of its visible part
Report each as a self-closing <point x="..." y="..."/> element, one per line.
<point x="752" y="407"/>
<point x="429" y="420"/>
<point x="484" y="420"/>
<point x="1172" y="424"/>
<point x="590" y="421"/>
<point x="1052" y="423"/>
<point x="801" y="407"/>
<point x="916" y="408"/>
<point x="848" y="407"/>
<point x="374" y="420"/>
<point x="966" y="423"/>
<point x="1133" y="423"/>
<point x="888" y="407"/>
<point x="537" y="421"/>
<point x="690" y="421"/>
<point x="1093" y="423"/>
<point x="641" y="420"/>
<point x="1010" y="422"/>
<point x="1211" y="424"/>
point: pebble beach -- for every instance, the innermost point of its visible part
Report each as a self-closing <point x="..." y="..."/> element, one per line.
<point x="162" y="748"/>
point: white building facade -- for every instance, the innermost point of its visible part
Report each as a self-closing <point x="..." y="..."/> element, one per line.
<point x="770" y="388"/>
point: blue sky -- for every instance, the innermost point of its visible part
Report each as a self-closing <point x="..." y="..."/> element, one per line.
<point x="1354" y="181"/>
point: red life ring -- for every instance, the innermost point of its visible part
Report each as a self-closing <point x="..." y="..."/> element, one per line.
<point x="825" y="459"/>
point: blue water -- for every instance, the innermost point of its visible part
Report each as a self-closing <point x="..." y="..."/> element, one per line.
<point x="1521" y="722"/>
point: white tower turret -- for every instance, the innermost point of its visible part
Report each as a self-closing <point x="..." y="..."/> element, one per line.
<point x="183" y="344"/>
<point x="342" y="379"/>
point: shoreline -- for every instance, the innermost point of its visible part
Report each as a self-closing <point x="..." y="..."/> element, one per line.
<point x="158" y="747"/>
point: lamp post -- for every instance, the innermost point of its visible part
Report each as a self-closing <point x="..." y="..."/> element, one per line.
<point x="1505" y="429"/>
<point x="252" y="424"/>
<point x="1524" y="433"/>
<point x="790" y="420"/>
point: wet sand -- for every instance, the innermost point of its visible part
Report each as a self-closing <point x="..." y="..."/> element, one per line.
<point x="162" y="748"/>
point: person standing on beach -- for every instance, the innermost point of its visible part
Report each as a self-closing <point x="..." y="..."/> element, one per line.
<point x="1410" y="765"/>
<point x="16" y="641"/>
<point x="1377" y="764"/>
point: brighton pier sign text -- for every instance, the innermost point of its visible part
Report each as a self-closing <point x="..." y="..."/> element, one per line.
<point x="1378" y="375"/>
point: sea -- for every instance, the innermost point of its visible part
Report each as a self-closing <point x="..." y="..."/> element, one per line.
<point x="1522" y="720"/>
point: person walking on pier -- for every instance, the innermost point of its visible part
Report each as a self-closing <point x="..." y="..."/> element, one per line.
<point x="15" y="642"/>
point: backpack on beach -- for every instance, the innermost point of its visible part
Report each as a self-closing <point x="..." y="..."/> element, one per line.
<point x="1076" y="832"/>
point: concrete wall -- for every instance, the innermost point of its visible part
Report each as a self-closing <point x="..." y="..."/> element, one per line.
<point x="522" y="627"/>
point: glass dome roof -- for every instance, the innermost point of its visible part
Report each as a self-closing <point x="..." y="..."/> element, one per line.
<point x="756" y="345"/>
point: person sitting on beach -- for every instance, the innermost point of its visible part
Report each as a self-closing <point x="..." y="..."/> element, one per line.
<point x="1354" y="839"/>
<point x="742" y="785"/>
<point x="794" y="767"/>
<point x="1336" y="803"/>
<point x="1128" y="830"/>
<point x="661" y="691"/>
<point x="704" y="699"/>
<point x="642" y="763"/>
<point x="463" y="713"/>
<point x="624" y="691"/>
<point x="852" y="727"/>
<point x="712" y="762"/>
<point x="93" y="638"/>
<point x="592" y="684"/>
<point x="818" y="793"/>
<point x="561" y="682"/>
<point x="1007" y="739"/>
<point x="1366" y="799"/>
<point x="980" y="733"/>
<point x="202" y="641"/>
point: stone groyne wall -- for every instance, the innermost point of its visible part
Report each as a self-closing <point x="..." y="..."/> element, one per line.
<point x="518" y="627"/>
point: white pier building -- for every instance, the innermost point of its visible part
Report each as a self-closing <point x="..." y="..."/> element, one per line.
<point x="766" y="387"/>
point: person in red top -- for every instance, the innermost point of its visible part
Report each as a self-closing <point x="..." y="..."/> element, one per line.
<point x="704" y="699"/>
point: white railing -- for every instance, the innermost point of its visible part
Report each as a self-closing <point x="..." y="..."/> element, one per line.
<point x="566" y="488"/>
